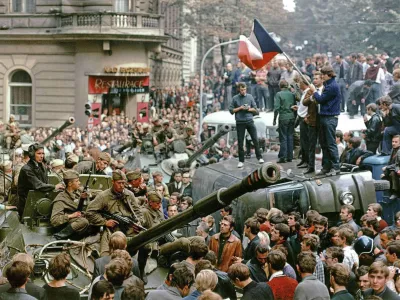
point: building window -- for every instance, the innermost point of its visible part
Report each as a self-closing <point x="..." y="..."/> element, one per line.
<point x="121" y="6"/>
<point x="24" y="6"/>
<point x="21" y="97"/>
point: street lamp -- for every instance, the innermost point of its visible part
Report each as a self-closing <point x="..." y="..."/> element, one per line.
<point x="202" y="75"/>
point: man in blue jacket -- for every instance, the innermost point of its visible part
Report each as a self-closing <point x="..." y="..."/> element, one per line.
<point x="329" y="113"/>
<point x="244" y="107"/>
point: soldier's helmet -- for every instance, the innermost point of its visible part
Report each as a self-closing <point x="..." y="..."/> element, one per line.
<point x="364" y="245"/>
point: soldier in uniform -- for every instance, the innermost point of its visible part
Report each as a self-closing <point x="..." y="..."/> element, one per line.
<point x="57" y="166"/>
<point x="97" y="167"/>
<point x="156" y="126"/>
<point x="5" y="179"/>
<point x="65" y="205"/>
<point x="190" y="140"/>
<point x="71" y="160"/>
<point x="12" y="134"/>
<point x="181" y="127"/>
<point x="162" y="138"/>
<point x="13" y="200"/>
<point x="34" y="176"/>
<point x="116" y="200"/>
<point x="136" y="183"/>
<point x="152" y="216"/>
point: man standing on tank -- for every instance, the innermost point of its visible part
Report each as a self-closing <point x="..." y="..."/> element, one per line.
<point x="244" y="107"/>
<point x="329" y="101"/>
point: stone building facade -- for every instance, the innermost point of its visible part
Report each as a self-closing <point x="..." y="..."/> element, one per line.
<point x="58" y="55"/>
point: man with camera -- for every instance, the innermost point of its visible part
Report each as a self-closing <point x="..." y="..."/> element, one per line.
<point x="244" y="107"/>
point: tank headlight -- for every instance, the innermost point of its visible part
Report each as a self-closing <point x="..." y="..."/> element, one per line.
<point x="347" y="198"/>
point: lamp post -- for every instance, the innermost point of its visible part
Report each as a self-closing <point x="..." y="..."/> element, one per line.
<point x="202" y="77"/>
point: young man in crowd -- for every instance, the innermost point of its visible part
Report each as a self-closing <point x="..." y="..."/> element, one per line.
<point x="310" y="243"/>
<point x="225" y="244"/>
<point x="340" y="276"/>
<point x="256" y="265"/>
<point x="279" y="236"/>
<point x="375" y="210"/>
<point x="378" y="275"/>
<point x="282" y="286"/>
<point x="240" y="276"/>
<point x="346" y="216"/>
<point x="310" y="287"/>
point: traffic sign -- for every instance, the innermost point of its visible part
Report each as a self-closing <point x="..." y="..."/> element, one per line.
<point x="90" y="124"/>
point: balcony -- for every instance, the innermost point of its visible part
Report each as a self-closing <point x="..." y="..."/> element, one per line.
<point x="134" y="26"/>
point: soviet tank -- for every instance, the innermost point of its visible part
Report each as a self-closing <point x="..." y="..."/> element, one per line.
<point x="181" y="160"/>
<point x="34" y="234"/>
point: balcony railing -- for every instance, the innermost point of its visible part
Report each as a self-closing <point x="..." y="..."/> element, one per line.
<point x="112" y="20"/>
<point x="85" y="23"/>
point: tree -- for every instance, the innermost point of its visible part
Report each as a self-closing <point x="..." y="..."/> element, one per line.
<point x="227" y="19"/>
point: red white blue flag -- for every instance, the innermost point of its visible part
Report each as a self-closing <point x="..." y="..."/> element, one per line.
<point x="258" y="49"/>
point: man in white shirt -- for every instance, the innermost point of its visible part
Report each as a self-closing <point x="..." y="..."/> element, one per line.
<point x="302" y="112"/>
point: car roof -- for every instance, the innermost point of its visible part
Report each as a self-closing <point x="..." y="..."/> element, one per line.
<point x="225" y="117"/>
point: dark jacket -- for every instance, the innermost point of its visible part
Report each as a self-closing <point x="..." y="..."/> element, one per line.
<point x="394" y="93"/>
<point x="309" y="70"/>
<point x="257" y="291"/>
<point x="257" y="272"/>
<point x="342" y="295"/>
<point x="354" y="154"/>
<point x="224" y="286"/>
<point x="373" y="131"/>
<point x="250" y="251"/>
<point x="330" y="99"/>
<point x="33" y="176"/>
<point x="228" y="81"/>
<point x="354" y="73"/>
<point x="274" y="76"/>
<point x="311" y="117"/>
<point x="32" y="289"/>
<point x="387" y="294"/>
<point x="187" y="191"/>
<point x="242" y="116"/>
<point x="100" y="266"/>
<point x="16" y="294"/>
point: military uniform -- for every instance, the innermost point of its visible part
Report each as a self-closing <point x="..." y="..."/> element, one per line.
<point x="5" y="183"/>
<point x="84" y="167"/>
<point x="156" y="129"/>
<point x="161" y="137"/>
<point x="189" y="139"/>
<point x="151" y="217"/>
<point x="64" y="204"/>
<point x="137" y="191"/>
<point x="12" y="135"/>
<point x="124" y="204"/>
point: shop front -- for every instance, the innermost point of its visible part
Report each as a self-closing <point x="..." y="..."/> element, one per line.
<point x="119" y="90"/>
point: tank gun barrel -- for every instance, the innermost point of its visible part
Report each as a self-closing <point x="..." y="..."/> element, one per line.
<point x="267" y="175"/>
<point x="207" y="144"/>
<point x="70" y="121"/>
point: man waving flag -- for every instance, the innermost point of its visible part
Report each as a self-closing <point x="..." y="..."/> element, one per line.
<point x="259" y="48"/>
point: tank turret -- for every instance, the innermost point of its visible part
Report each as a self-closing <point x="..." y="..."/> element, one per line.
<point x="265" y="176"/>
<point x="70" y="121"/>
<point x="207" y="144"/>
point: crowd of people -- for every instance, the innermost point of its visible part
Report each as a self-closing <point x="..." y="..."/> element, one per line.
<point x="276" y="255"/>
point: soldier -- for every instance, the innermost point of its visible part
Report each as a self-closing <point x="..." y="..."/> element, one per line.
<point x="116" y="200"/>
<point x="12" y="134"/>
<point x="136" y="183"/>
<point x="57" y="166"/>
<point x="65" y="207"/>
<point x="162" y="138"/>
<point x="5" y="179"/>
<point x="190" y="140"/>
<point x="152" y="216"/>
<point x="71" y="160"/>
<point x="156" y="126"/>
<point x="13" y="200"/>
<point x="98" y="167"/>
<point x="180" y="130"/>
<point x="34" y="176"/>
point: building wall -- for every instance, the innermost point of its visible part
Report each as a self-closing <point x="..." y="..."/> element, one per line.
<point x="60" y="75"/>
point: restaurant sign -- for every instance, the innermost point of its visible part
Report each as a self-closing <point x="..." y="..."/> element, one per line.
<point x="118" y="84"/>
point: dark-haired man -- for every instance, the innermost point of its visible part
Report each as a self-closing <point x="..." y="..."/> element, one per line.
<point x="244" y="107"/>
<point x="329" y="115"/>
<point x="34" y="176"/>
<point x="279" y="236"/>
<point x="251" y="230"/>
<point x="356" y="155"/>
<point x="17" y="275"/>
<point x="340" y="67"/>
<point x="225" y="244"/>
<point x="373" y="134"/>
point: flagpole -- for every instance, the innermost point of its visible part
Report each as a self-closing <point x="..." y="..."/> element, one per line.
<point x="201" y="79"/>
<point x="297" y="69"/>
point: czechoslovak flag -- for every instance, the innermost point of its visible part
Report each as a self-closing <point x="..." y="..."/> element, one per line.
<point x="258" y="49"/>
